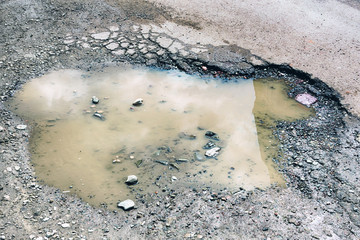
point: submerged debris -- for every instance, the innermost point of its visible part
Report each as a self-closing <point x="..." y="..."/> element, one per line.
<point x="138" y="102"/>
<point x="95" y="100"/>
<point x="138" y="163"/>
<point x="198" y="156"/>
<point x="212" y="135"/>
<point x="180" y="160"/>
<point x="174" y="166"/>
<point x="187" y="136"/>
<point x="131" y="180"/>
<point x="209" y="145"/>
<point x="162" y="162"/>
<point x="213" y="152"/>
<point x="99" y="116"/>
<point x="116" y="160"/>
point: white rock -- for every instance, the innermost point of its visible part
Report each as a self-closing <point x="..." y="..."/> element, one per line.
<point x="9" y="169"/>
<point x="21" y="127"/>
<point x="126" y="205"/>
<point x="305" y="99"/>
<point x="101" y="36"/>
<point x="213" y="152"/>
<point x="65" y="225"/>
<point x="173" y="178"/>
<point x="1" y="129"/>
<point x="6" y="197"/>
<point x="17" y="168"/>
<point x="131" y="179"/>
<point x="112" y="46"/>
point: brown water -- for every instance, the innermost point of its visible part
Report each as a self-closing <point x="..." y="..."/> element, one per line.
<point x="75" y="151"/>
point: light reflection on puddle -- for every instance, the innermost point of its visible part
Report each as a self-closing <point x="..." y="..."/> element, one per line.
<point x="70" y="147"/>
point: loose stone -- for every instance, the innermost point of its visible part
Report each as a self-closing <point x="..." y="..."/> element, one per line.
<point x="116" y="160"/>
<point x="1" y="129"/>
<point x="21" y="127"/>
<point x="212" y="135"/>
<point x="131" y="180"/>
<point x="174" y="166"/>
<point x="209" y="145"/>
<point x="213" y="152"/>
<point x="162" y="162"/>
<point x="99" y="116"/>
<point x="182" y="160"/>
<point x="305" y="99"/>
<point x="138" y="102"/>
<point x="65" y="225"/>
<point x="126" y="205"/>
<point x="95" y="100"/>
<point x="139" y="163"/>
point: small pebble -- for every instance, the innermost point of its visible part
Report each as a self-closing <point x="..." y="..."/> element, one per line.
<point x="126" y="205"/>
<point x="95" y="100"/>
<point x="138" y="102"/>
<point x="65" y="225"/>
<point x="21" y="127"/>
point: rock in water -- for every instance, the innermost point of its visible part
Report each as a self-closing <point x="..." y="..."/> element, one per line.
<point x="198" y="156"/>
<point x="99" y="116"/>
<point x="213" y="152"/>
<point x="131" y="180"/>
<point x="209" y="145"/>
<point x="95" y="100"/>
<point x="212" y="135"/>
<point x="138" y="102"/>
<point x="126" y="205"/>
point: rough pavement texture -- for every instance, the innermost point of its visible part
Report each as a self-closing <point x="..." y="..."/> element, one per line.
<point x="318" y="37"/>
<point x="320" y="161"/>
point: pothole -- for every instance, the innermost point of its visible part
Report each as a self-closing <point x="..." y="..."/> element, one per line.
<point x="89" y="148"/>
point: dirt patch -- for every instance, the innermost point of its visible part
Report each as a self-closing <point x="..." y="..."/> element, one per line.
<point x="319" y="156"/>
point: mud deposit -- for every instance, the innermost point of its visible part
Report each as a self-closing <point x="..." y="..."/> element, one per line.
<point x="318" y="157"/>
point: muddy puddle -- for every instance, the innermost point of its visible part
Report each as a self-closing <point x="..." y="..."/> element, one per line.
<point x="164" y="139"/>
